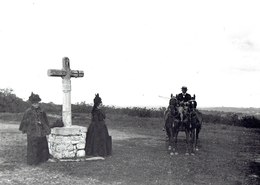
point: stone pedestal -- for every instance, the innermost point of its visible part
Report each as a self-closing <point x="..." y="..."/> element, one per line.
<point x="67" y="142"/>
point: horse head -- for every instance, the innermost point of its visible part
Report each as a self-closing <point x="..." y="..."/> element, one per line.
<point x="192" y="104"/>
<point x="194" y="117"/>
<point x="173" y="101"/>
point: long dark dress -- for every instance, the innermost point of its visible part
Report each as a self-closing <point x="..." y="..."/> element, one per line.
<point x="98" y="141"/>
<point x="35" y="124"/>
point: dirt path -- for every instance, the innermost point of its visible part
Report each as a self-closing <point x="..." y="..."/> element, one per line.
<point x="12" y="127"/>
<point x="227" y="156"/>
<point x="13" y="169"/>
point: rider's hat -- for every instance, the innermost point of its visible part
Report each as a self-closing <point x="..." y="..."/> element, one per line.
<point x="184" y="87"/>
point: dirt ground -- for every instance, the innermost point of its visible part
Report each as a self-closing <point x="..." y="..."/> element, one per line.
<point x="227" y="155"/>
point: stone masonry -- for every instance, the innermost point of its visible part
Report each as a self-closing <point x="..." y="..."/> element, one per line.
<point x="67" y="142"/>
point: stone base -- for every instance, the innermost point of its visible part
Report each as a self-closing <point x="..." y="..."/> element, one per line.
<point x="67" y="142"/>
<point x="77" y="159"/>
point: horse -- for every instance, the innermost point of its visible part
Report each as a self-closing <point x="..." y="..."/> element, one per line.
<point x="183" y="116"/>
<point x="196" y="123"/>
<point x="169" y="119"/>
<point x="176" y="119"/>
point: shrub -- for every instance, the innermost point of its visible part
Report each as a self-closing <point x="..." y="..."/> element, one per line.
<point x="51" y="107"/>
<point x="250" y="122"/>
<point x="81" y="108"/>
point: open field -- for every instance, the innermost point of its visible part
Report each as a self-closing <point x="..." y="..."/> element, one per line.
<point x="227" y="155"/>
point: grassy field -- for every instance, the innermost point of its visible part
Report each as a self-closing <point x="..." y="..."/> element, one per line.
<point x="227" y="155"/>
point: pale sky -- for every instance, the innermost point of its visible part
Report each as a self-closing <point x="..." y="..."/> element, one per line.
<point x="134" y="51"/>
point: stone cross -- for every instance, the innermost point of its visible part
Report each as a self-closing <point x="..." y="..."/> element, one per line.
<point x="66" y="73"/>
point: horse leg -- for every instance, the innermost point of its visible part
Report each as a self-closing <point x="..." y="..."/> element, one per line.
<point x="167" y="132"/>
<point x="175" y="148"/>
<point x="172" y="142"/>
<point x="174" y="137"/>
<point x="197" y="137"/>
<point x="176" y="127"/>
<point x="198" y="127"/>
<point x="170" y="135"/>
<point x="193" y="141"/>
<point x="187" y="141"/>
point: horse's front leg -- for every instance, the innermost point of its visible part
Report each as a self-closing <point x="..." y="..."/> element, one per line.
<point x="175" y="148"/>
<point x="187" y="141"/>
<point x="197" y="137"/>
<point x="175" y="136"/>
<point x="193" y="142"/>
<point x="168" y="126"/>
<point x="171" y="138"/>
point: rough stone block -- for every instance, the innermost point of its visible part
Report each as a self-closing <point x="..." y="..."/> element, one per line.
<point x="75" y="138"/>
<point x="68" y="154"/>
<point x="81" y="153"/>
<point x="81" y="146"/>
<point x="69" y="147"/>
<point x="57" y="155"/>
<point x="57" y="139"/>
<point x="60" y="148"/>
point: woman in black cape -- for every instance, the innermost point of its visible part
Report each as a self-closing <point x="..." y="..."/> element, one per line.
<point x="98" y="141"/>
<point x="36" y="125"/>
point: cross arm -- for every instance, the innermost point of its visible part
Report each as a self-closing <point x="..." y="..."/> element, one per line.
<point x="56" y="72"/>
<point x="76" y="73"/>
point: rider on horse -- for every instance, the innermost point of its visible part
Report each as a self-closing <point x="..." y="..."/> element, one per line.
<point x="178" y="108"/>
<point x="182" y="115"/>
<point x="183" y="101"/>
<point x="183" y="97"/>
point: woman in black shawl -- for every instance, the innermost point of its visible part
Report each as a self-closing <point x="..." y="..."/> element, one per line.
<point x="98" y="141"/>
<point x="35" y="124"/>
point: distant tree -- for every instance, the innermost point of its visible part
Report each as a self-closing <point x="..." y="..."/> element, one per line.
<point x="81" y="107"/>
<point x="9" y="102"/>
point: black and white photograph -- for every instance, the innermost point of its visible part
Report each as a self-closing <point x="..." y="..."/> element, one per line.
<point x="140" y="92"/>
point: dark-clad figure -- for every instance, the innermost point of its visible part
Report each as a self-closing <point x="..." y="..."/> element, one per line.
<point x="98" y="141"/>
<point x="35" y="124"/>
<point x="183" y="96"/>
